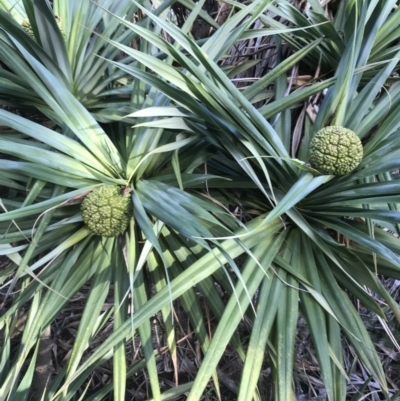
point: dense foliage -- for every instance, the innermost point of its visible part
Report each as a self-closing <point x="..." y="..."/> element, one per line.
<point x="227" y="210"/>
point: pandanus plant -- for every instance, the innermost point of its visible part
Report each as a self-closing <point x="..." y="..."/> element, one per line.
<point x="161" y="124"/>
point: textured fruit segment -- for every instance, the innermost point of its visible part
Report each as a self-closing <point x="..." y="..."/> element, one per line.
<point x="335" y="151"/>
<point x="106" y="212"/>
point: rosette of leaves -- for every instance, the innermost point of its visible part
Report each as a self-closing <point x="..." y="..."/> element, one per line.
<point x="72" y="40"/>
<point x="336" y="237"/>
<point x="48" y="174"/>
<point x="45" y="175"/>
<point x="338" y="23"/>
<point x="310" y="246"/>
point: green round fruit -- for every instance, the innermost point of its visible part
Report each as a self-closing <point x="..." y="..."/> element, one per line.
<point x="335" y="151"/>
<point x="106" y="212"/>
